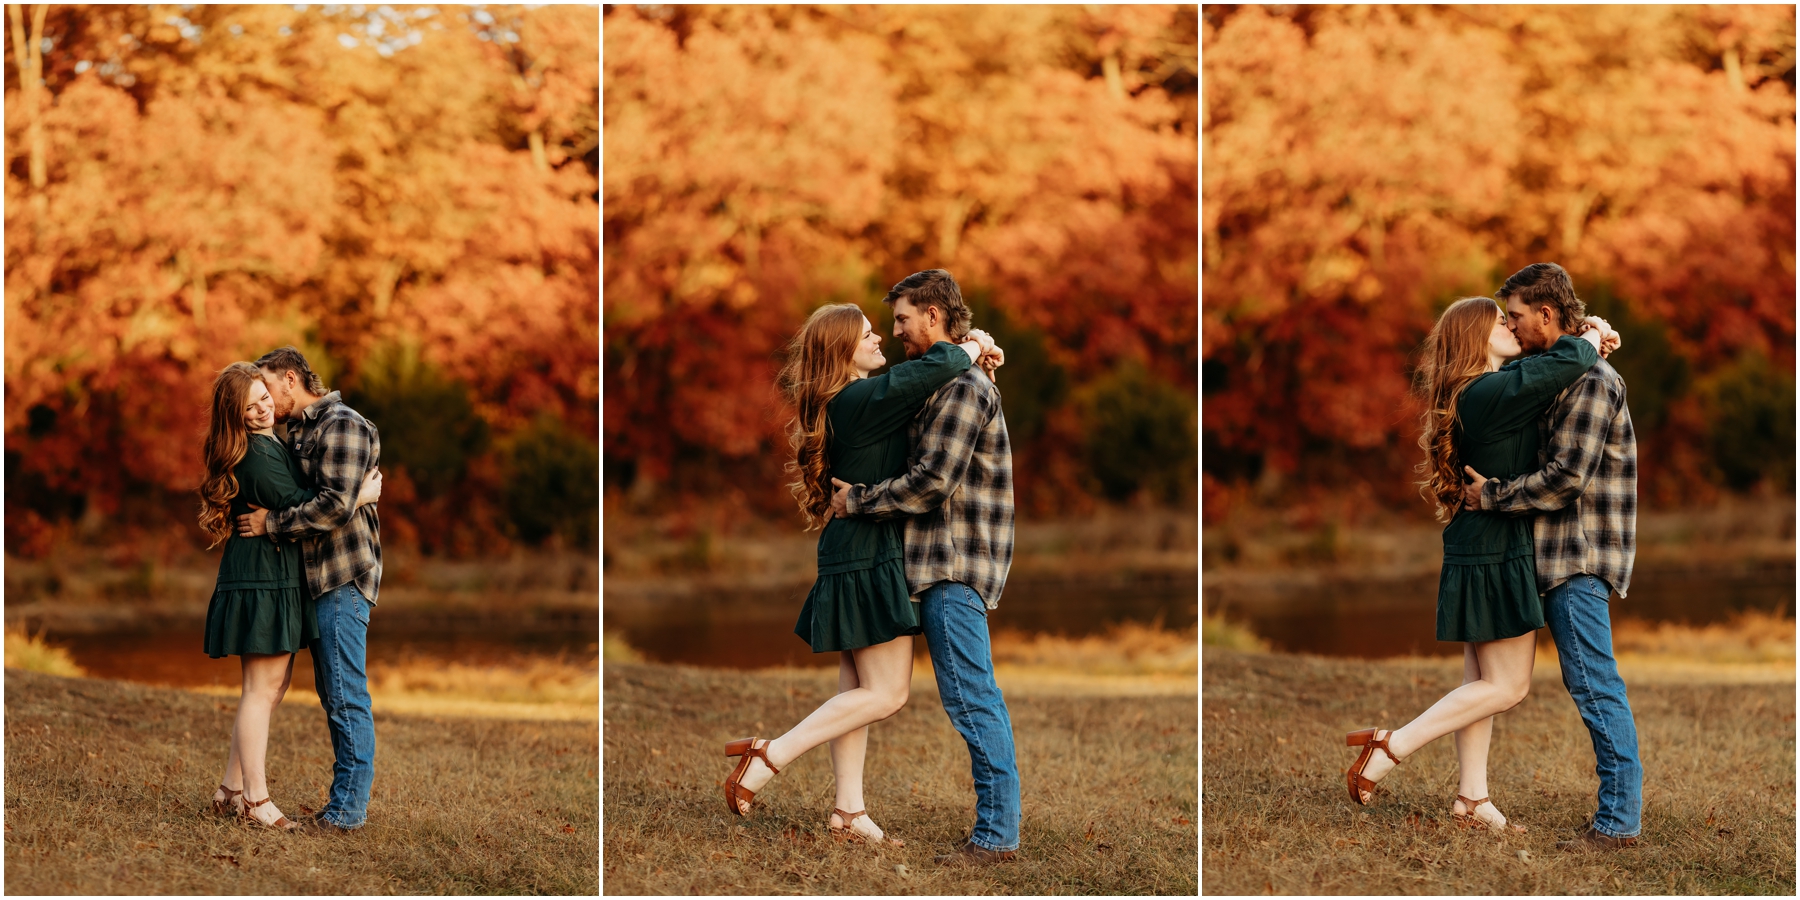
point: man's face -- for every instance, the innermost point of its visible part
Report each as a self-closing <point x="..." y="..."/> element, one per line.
<point x="281" y="392"/>
<point x="1535" y="328"/>
<point x="917" y="328"/>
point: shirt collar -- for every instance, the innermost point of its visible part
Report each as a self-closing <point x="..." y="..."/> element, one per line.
<point x="318" y="406"/>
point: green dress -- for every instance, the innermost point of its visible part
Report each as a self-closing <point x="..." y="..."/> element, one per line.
<point x="860" y="598"/>
<point x="1488" y="588"/>
<point x="260" y="603"/>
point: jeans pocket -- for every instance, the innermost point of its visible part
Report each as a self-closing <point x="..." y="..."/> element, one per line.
<point x="973" y="599"/>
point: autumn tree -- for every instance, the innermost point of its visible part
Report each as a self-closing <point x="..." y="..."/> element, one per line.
<point x="763" y="160"/>
<point x="1364" y="166"/>
<point x="220" y="180"/>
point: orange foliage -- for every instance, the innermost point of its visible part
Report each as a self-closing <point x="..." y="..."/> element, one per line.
<point x="763" y="160"/>
<point x="221" y="180"/>
<point x="1366" y="165"/>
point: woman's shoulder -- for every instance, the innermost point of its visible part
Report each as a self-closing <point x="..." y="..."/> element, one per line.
<point x="263" y="449"/>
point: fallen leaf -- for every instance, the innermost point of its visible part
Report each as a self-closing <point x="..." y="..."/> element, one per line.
<point x="230" y="859"/>
<point x="903" y="871"/>
<point x="1524" y="856"/>
<point x="568" y="829"/>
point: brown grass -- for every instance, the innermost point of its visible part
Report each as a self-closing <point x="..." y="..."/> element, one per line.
<point x="1109" y="801"/>
<point x="1718" y="804"/>
<point x="107" y="787"/>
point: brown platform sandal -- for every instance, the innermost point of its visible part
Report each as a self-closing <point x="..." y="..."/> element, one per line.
<point x="846" y="833"/>
<point x="280" y="824"/>
<point x="232" y="805"/>
<point x="1354" y="776"/>
<point x="1470" y="820"/>
<point x="745" y="749"/>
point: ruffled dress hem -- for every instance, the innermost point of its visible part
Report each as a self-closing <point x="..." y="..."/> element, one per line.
<point x="850" y="610"/>
<point x="1488" y="601"/>
<point x="259" y="620"/>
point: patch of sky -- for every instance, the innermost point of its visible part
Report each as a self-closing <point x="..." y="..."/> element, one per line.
<point x="189" y="31"/>
<point x="482" y="16"/>
<point x="348" y="41"/>
<point x="83" y="66"/>
<point x="284" y="31"/>
<point x="424" y="12"/>
<point x="236" y="29"/>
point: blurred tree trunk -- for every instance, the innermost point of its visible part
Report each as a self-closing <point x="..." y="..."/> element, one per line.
<point x="29" y="56"/>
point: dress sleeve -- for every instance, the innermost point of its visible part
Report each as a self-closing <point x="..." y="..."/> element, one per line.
<point x="946" y="448"/>
<point x="1528" y="387"/>
<point x="267" y="480"/>
<point x="890" y="400"/>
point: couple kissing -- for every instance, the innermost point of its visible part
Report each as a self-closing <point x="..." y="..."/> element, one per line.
<point x="301" y="568"/>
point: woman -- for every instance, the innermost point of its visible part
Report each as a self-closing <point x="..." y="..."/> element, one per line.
<point x="260" y="608"/>
<point x="1482" y="412"/>
<point x="852" y="426"/>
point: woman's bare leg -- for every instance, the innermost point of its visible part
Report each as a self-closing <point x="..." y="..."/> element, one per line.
<point x="1505" y="680"/>
<point x="263" y="677"/>
<point x="1472" y="741"/>
<point x="884" y="678"/>
<point x="848" y="750"/>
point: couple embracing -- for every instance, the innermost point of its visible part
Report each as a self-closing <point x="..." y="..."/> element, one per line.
<point x="1535" y="460"/>
<point x="909" y="473"/>
<point x="301" y="568"/>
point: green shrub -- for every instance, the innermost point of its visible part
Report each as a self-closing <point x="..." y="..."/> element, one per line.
<point x="1140" y="434"/>
<point x="427" y="423"/>
<point x="552" y="483"/>
<point x="1752" y="408"/>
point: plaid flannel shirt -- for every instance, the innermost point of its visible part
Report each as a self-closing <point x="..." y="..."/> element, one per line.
<point x="957" y="490"/>
<point x="1585" y="490"/>
<point x="336" y="447"/>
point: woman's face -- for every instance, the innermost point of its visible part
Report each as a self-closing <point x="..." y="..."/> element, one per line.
<point x="259" y="407"/>
<point x="868" y="356"/>
<point x="1501" y="341"/>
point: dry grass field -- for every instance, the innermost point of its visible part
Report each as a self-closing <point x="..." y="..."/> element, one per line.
<point x="108" y="784"/>
<point x="1109" y="801"/>
<point x="1718" y="790"/>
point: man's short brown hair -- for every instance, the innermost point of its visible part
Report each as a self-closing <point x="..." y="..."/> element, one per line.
<point x="1546" y="284"/>
<point x="935" y="287"/>
<point x="289" y="359"/>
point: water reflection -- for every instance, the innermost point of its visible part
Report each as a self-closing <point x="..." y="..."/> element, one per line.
<point x="748" y="629"/>
<point x="1381" y="617"/>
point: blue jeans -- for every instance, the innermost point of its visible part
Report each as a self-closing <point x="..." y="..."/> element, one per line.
<point x="955" y="622"/>
<point x="1577" y="614"/>
<point x="343" y="685"/>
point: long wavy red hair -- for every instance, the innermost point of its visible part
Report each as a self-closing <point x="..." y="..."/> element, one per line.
<point x="819" y="365"/>
<point x="1455" y="354"/>
<point x="227" y="440"/>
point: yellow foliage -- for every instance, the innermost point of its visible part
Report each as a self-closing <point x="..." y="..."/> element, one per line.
<point x="30" y="652"/>
<point x="1217" y="631"/>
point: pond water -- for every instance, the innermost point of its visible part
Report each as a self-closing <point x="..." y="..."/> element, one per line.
<point x="747" y="629"/>
<point x="168" y="651"/>
<point x="1381" y="617"/>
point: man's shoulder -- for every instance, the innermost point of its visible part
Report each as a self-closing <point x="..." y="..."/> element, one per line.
<point x="339" y="415"/>
<point x="1603" y="378"/>
<point x="968" y="393"/>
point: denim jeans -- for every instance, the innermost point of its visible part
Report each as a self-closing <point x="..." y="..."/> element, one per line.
<point x="1577" y="614"/>
<point x="343" y="686"/>
<point x="955" y="622"/>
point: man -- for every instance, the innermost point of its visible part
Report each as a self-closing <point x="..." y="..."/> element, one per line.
<point x="1585" y="500"/>
<point x="342" y="550"/>
<point x="957" y="493"/>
